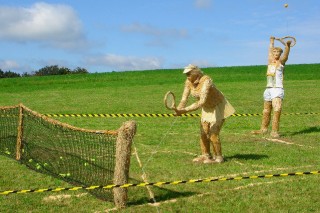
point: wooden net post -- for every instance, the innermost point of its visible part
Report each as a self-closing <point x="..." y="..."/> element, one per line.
<point x="20" y="133"/>
<point x="123" y="154"/>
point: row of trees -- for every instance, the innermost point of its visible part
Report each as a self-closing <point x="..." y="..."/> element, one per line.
<point x="8" y="74"/>
<point x="48" y="70"/>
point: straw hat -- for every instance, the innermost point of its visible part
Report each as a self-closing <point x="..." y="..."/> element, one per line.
<point x="191" y="67"/>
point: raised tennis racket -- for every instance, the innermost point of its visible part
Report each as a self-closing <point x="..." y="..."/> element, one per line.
<point x="284" y="40"/>
<point x="170" y="101"/>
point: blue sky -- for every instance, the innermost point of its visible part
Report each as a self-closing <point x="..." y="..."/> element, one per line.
<point x="118" y="35"/>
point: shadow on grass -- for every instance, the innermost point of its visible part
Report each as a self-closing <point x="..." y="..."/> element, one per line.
<point x="246" y="157"/>
<point x="307" y="130"/>
<point x="161" y="195"/>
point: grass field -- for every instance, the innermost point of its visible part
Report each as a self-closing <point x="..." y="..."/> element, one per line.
<point x="165" y="146"/>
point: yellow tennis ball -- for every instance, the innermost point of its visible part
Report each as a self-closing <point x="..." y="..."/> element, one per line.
<point x="286" y="5"/>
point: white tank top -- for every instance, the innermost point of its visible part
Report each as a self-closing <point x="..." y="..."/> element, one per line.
<point x="275" y="76"/>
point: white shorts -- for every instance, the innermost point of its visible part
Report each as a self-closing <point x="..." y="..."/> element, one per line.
<point x="271" y="93"/>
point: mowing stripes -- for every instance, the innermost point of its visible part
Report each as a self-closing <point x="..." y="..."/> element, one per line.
<point x="154" y="115"/>
<point x="157" y="183"/>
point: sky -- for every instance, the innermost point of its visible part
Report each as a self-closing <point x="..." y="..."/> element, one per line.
<point x="127" y="35"/>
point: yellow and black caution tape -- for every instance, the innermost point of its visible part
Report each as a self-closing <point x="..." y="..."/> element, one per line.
<point x="155" y="183"/>
<point x="152" y="115"/>
<point x="117" y="115"/>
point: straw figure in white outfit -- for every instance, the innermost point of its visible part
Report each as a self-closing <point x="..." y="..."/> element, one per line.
<point x="274" y="92"/>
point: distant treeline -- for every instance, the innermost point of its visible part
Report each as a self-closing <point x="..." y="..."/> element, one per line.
<point x="48" y="70"/>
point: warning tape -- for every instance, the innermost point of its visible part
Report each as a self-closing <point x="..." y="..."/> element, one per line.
<point x="155" y="183"/>
<point x="161" y="115"/>
<point x="122" y="115"/>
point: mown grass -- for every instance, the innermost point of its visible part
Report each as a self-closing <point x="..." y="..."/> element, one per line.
<point x="166" y="146"/>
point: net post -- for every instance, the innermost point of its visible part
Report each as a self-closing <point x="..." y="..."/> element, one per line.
<point x="122" y="165"/>
<point x="20" y="133"/>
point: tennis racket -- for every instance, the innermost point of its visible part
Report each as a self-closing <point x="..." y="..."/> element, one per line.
<point x="170" y="101"/>
<point x="284" y="40"/>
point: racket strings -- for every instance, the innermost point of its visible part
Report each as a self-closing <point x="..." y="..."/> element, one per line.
<point x="170" y="101"/>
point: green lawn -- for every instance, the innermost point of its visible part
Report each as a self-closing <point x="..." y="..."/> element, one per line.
<point x="166" y="146"/>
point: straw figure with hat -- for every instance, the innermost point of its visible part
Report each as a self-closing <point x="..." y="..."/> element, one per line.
<point x="215" y="109"/>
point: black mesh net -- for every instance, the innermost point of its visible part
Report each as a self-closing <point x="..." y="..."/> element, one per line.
<point x="9" y="121"/>
<point x="82" y="158"/>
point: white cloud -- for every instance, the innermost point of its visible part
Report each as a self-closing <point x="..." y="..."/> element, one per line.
<point x="309" y="27"/>
<point x="203" y="4"/>
<point x="6" y="65"/>
<point x="124" y="63"/>
<point x="151" y="30"/>
<point x="52" y="62"/>
<point x="160" y="37"/>
<point x="202" y="63"/>
<point x="14" y="66"/>
<point x="53" y="24"/>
